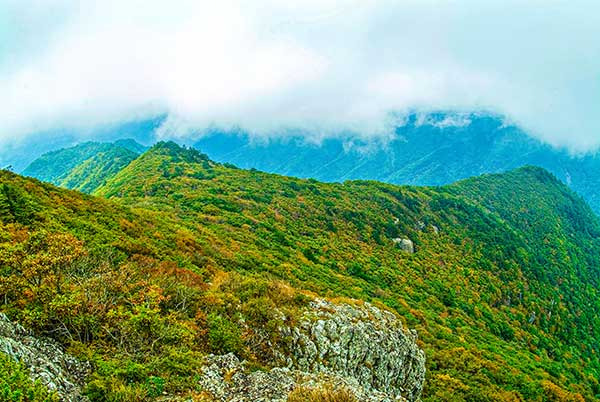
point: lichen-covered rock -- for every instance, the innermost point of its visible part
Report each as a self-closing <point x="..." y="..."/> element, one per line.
<point x="225" y="378"/>
<point x="361" y="342"/>
<point x="358" y="347"/>
<point x="404" y="244"/>
<point x="45" y="360"/>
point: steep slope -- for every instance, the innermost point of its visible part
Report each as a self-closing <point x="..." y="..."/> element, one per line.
<point x="86" y="166"/>
<point x="502" y="287"/>
<point x="145" y="296"/>
<point x="93" y="172"/>
<point x="51" y="166"/>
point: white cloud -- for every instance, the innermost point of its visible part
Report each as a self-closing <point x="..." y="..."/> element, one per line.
<point x="322" y="66"/>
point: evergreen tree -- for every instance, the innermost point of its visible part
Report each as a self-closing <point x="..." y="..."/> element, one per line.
<point x="6" y="214"/>
<point x="15" y="205"/>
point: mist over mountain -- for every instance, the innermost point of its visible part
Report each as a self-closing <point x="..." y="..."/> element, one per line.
<point x="18" y="154"/>
<point x="423" y="149"/>
<point x="299" y="201"/>
<point x="427" y="149"/>
<point x="326" y="65"/>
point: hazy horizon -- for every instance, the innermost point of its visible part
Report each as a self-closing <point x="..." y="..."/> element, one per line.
<point x="320" y="67"/>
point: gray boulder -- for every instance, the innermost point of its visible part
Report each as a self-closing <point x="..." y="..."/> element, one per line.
<point x="404" y="244"/>
<point x="226" y="378"/>
<point x="360" y="342"/>
<point x="356" y="347"/>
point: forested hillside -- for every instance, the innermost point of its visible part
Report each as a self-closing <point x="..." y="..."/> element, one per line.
<point x="423" y="149"/>
<point x="86" y="166"/>
<point x="176" y="256"/>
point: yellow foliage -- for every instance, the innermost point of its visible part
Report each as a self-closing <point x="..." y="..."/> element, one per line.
<point x="327" y="393"/>
<point x="553" y="392"/>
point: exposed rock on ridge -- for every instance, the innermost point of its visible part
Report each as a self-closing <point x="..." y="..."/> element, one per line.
<point x="45" y="360"/>
<point x="360" y="348"/>
<point x="404" y="244"/>
<point x="361" y="342"/>
<point x="226" y="378"/>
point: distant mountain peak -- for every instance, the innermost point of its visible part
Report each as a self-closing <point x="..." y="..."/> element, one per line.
<point x="174" y="150"/>
<point x="84" y="166"/>
<point x="131" y="144"/>
<point x="157" y="170"/>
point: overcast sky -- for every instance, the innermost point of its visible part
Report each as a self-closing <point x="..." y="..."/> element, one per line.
<point x="319" y="65"/>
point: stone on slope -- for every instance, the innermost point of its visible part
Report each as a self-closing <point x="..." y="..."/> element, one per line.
<point x="404" y="244"/>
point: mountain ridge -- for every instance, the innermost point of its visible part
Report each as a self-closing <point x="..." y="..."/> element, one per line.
<point x="168" y="185"/>
<point x="488" y="284"/>
<point x="424" y="149"/>
<point x="85" y="166"/>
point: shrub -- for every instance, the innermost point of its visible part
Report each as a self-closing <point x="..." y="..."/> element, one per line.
<point x="223" y="335"/>
<point x="155" y="386"/>
<point x="16" y="386"/>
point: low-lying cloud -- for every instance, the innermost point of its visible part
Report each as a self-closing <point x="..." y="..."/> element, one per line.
<point x="322" y="66"/>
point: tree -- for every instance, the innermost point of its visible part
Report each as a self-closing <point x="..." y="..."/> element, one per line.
<point x="6" y="214"/>
<point x="15" y="206"/>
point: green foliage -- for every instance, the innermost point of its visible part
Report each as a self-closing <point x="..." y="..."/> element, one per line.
<point x="93" y="172"/>
<point x="17" y="386"/>
<point x="15" y="205"/>
<point x="189" y="257"/>
<point x="223" y="335"/>
<point x="155" y="386"/>
<point x="86" y="166"/>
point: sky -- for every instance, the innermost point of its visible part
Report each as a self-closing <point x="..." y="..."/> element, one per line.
<point x="321" y="66"/>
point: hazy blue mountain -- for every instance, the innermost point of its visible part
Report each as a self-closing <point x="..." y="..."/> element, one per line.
<point x="426" y="149"/>
<point x="19" y="154"/>
<point x="433" y="149"/>
<point x="85" y="166"/>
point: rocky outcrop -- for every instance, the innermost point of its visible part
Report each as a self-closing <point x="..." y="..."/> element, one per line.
<point x="356" y="347"/>
<point x="361" y="342"/>
<point x="226" y="378"/>
<point x="45" y="360"/>
<point x="404" y="244"/>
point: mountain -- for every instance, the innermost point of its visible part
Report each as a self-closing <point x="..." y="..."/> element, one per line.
<point x="176" y="256"/>
<point x="18" y="154"/>
<point x="425" y="149"/>
<point x="85" y="166"/>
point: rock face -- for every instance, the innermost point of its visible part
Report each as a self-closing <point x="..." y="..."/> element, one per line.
<point x="360" y="342"/>
<point x="45" y="360"/>
<point x="357" y="347"/>
<point x="225" y="378"/>
<point x="405" y="244"/>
